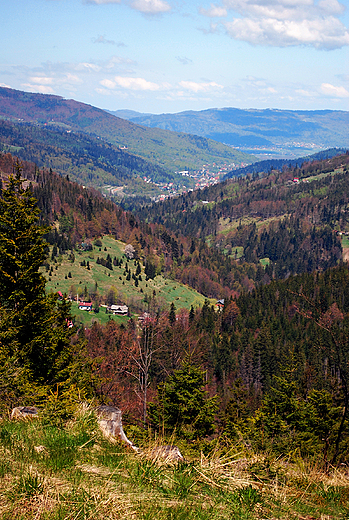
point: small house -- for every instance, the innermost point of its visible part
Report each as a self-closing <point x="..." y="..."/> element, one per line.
<point x="144" y="318"/>
<point x="85" y="306"/>
<point x="120" y="310"/>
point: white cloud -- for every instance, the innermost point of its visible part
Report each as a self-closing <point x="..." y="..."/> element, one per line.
<point x="331" y="6"/>
<point x="320" y="33"/>
<point x="214" y="11"/>
<point x="115" y="61"/>
<point x="331" y="90"/>
<point x="108" y="83"/>
<point x="42" y="80"/>
<point x="143" y="6"/>
<point x="51" y="77"/>
<point x="130" y="83"/>
<point x="284" y="23"/>
<point x="305" y="93"/>
<point x="72" y="78"/>
<point x="100" y="66"/>
<point x="182" y="88"/>
<point x="47" y="84"/>
<point x="199" y="87"/>
<point x="85" y="66"/>
<point x="42" y="89"/>
<point x="150" y="6"/>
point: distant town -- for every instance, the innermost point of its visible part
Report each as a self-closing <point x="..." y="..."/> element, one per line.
<point x="208" y="175"/>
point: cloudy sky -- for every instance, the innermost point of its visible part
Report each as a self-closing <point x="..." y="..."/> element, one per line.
<point x="174" y="55"/>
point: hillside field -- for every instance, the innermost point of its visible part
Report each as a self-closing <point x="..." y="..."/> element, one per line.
<point x="69" y="276"/>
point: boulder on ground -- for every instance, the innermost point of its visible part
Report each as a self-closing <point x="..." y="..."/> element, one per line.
<point x="24" y="412"/>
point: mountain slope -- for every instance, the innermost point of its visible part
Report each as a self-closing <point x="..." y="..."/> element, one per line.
<point x="173" y="151"/>
<point x="289" y="221"/>
<point x="79" y="215"/>
<point x="86" y="159"/>
<point x="281" y="132"/>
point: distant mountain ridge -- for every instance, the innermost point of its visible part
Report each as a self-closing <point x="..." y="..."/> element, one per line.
<point x="90" y="161"/>
<point x="279" y="132"/>
<point x="278" y="164"/>
<point x="172" y="151"/>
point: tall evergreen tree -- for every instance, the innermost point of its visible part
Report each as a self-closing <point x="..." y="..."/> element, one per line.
<point x="22" y="249"/>
<point x="184" y="404"/>
<point x="172" y="315"/>
<point x="35" y="332"/>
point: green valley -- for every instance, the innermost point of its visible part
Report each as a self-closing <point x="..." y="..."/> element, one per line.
<point x="170" y="151"/>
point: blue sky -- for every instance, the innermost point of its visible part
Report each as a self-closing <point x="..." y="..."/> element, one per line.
<point x="173" y="55"/>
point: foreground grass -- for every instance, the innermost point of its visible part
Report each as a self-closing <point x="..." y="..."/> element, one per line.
<point x="73" y="473"/>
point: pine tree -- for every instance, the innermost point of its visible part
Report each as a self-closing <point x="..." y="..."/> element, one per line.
<point x="22" y="250"/>
<point x="184" y="404"/>
<point x="172" y="314"/>
<point x="35" y="336"/>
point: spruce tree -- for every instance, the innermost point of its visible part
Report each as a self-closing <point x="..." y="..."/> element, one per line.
<point x="35" y="332"/>
<point x="184" y="404"/>
<point x="172" y="314"/>
<point x="22" y="250"/>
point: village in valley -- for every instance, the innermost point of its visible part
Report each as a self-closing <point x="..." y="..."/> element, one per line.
<point x="208" y="175"/>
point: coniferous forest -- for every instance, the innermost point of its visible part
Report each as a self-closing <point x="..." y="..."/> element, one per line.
<point x="265" y="371"/>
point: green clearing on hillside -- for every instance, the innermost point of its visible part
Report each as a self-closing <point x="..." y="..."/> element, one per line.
<point x="8" y="148"/>
<point x="345" y="241"/>
<point x="234" y="252"/>
<point x="226" y="224"/>
<point x="264" y="261"/>
<point x="68" y="276"/>
<point x="324" y="174"/>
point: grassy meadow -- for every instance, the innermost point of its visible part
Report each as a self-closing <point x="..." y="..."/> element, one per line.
<point x="72" y="472"/>
<point x="68" y="275"/>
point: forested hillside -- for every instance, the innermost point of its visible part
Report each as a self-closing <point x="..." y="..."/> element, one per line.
<point x="80" y="213"/>
<point x="267" y="369"/>
<point x="277" y="358"/>
<point x="83" y="157"/>
<point x="289" y="219"/>
<point x="170" y="150"/>
<point x="250" y="232"/>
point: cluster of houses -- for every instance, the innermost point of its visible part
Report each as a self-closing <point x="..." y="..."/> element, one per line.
<point x="123" y="310"/>
<point x="120" y="310"/>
